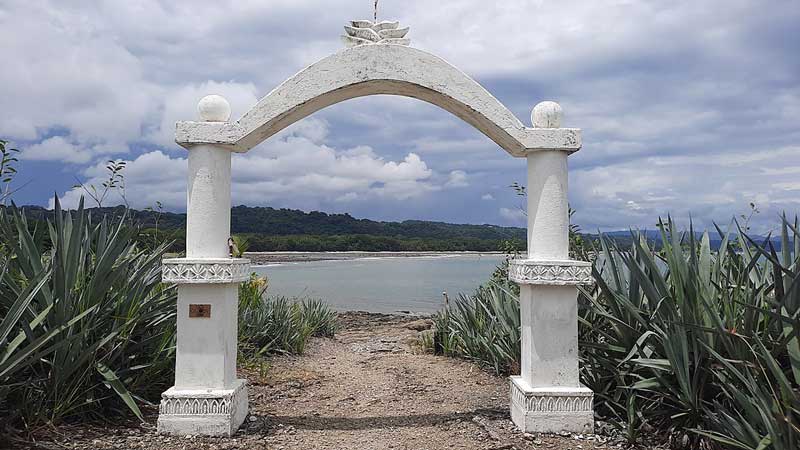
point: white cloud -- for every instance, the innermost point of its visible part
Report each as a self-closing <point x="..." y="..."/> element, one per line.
<point x="513" y="215"/>
<point x="708" y="190"/>
<point x="291" y="165"/>
<point x="706" y="135"/>
<point x="57" y="148"/>
<point x="487" y="196"/>
<point x="69" y="76"/>
<point x="296" y="164"/>
<point x="457" y="179"/>
<point x="150" y="178"/>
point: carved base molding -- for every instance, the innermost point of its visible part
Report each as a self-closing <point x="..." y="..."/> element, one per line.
<point x="206" y="412"/>
<point x="551" y="409"/>
<point x="205" y="270"/>
<point x="552" y="273"/>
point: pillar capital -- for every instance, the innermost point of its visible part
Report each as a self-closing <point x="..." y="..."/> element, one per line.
<point x="550" y="272"/>
<point x="205" y="270"/>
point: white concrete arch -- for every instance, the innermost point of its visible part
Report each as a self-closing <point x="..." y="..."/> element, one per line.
<point x="378" y="69"/>
<point x="207" y="398"/>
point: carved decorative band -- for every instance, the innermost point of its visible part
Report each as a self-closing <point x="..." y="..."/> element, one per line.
<point x="554" y="273"/>
<point x="221" y="270"/>
<point x="225" y="403"/>
<point x="195" y="406"/>
<point x="551" y="402"/>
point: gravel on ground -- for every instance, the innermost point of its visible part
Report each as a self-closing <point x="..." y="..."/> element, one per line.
<point x="370" y="387"/>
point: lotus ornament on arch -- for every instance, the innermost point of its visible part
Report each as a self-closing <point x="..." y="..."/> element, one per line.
<point x="361" y="32"/>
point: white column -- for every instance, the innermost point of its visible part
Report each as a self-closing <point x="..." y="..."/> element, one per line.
<point x="548" y="214"/>
<point x="208" y="202"/>
<point x="549" y="313"/>
<point x="207" y="398"/>
<point x="548" y="396"/>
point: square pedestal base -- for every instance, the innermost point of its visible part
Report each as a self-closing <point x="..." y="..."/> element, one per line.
<point x="206" y="412"/>
<point x="551" y="409"/>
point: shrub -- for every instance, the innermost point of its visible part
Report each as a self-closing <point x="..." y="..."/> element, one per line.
<point x="483" y="327"/>
<point x="87" y="328"/>
<point x="698" y="341"/>
<point x="277" y="324"/>
<point x="700" y="344"/>
<point x="252" y="291"/>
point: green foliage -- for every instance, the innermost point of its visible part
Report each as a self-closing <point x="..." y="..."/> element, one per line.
<point x="282" y="325"/>
<point x="252" y="292"/>
<point x="7" y="170"/>
<point x="269" y="325"/>
<point x="698" y="340"/>
<point x="268" y="229"/>
<point x="241" y="244"/>
<point x="483" y="327"/>
<point x="115" y="181"/>
<point x="701" y="344"/>
<point x="286" y="222"/>
<point x="87" y="328"/>
<point x="370" y="243"/>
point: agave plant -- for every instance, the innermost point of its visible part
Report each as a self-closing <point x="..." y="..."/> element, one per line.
<point x="675" y="332"/>
<point x="87" y="327"/>
<point x="483" y="327"/>
<point x="701" y="344"/>
<point x="282" y="325"/>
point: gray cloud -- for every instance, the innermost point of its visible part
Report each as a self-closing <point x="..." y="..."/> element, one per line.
<point x="687" y="107"/>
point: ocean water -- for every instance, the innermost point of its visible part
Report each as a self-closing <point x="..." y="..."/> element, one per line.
<point x="382" y="284"/>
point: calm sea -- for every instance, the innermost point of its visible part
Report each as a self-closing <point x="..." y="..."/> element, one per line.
<point x="381" y="284"/>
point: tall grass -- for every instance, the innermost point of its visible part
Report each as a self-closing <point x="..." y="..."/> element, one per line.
<point x="269" y="325"/>
<point x="699" y="344"/>
<point x="86" y="328"/>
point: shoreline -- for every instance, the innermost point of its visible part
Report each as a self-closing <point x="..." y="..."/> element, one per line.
<point x="261" y="258"/>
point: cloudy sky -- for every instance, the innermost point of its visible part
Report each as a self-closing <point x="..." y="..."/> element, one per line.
<point x="688" y="107"/>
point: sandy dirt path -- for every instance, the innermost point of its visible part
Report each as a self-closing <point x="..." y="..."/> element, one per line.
<point x="368" y="388"/>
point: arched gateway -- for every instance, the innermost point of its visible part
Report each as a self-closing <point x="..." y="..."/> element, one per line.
<point x="207" y="398"/>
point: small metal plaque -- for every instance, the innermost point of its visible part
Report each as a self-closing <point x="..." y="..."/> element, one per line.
<point x="199" y="310"/>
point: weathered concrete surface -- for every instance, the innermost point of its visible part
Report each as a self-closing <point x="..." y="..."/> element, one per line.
<point x="551" y="410"/>
<point x="548" y="396"/>
<point x="379" y="69"/>
<point x="206" y="354"/>
<point x="206" y="412"/>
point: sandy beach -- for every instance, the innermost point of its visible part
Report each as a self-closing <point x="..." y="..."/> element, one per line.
<point x="261" y="258"/>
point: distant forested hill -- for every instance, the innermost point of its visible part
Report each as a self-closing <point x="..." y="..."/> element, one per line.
<point x="272" y="221"/>
<point x="270" y="229"/>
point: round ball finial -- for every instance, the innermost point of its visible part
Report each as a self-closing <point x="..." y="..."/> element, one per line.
<point x="547" y="115"/>
<point x="214" y="108"/>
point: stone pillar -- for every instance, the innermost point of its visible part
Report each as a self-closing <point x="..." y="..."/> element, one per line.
<point x="547" y="395"/>
<point x="207" y="398"/>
